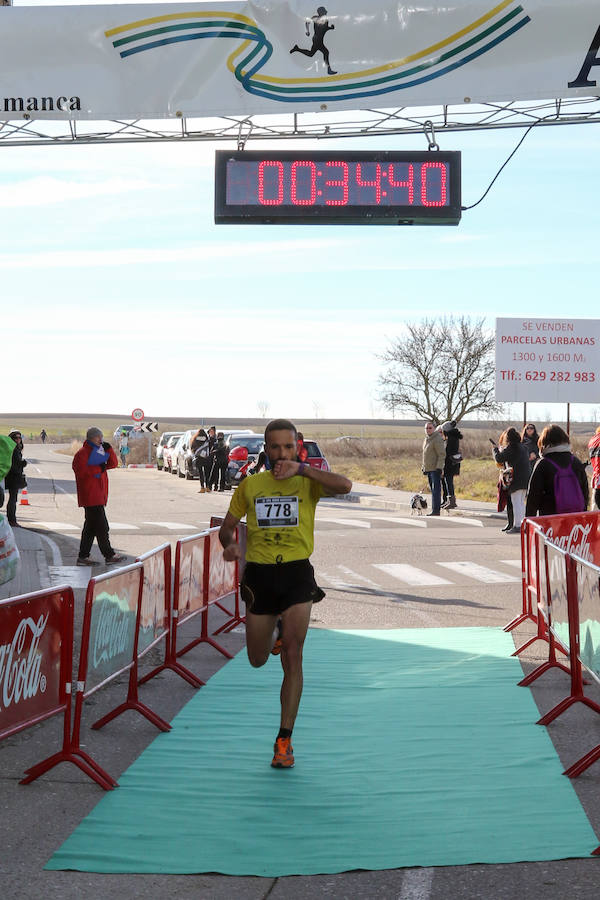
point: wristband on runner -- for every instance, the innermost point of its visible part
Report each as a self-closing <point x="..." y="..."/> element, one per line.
<point x="301" y="468"/>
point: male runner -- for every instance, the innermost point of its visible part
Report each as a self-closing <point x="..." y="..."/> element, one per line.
<point x="278" y="581"/>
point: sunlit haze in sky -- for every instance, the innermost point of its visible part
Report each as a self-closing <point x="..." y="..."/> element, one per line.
<point x="119" y="291"/>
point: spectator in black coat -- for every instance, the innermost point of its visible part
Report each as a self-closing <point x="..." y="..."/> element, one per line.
<point x="15" y="479"/>
<point x="220" y="458"/>
<point x="452" y="436"/>
<point x="511" y="452"/>
<point x="554" y="448"/>
<point x="530" y="438"/>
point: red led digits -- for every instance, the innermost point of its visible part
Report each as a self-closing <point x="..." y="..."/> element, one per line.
<point x="313" y="183"/>
<point x="424" y="170"/>
<point x="343" y="183"/>
<point x="376" y="184"/>
<point x="409" y="183"/>
<point x="274" y="164"/>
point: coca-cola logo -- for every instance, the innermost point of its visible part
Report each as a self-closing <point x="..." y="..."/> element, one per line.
<point x="20" y="663"/>
<point x="111" y="637"/>
<point x="576" y="542"/>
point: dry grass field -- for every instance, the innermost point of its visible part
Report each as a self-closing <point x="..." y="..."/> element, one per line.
<point x="379" y="452"/>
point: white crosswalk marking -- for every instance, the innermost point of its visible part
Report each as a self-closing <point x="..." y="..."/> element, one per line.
<point x="123" y="526"/>
<point x="480" y="573"/>
<point x="55" y="526"/>
<point x="358" y="577"/>
<point x="354" y="523"/>
<point x="333" y="582"/>
<point x="176" y="526"/>
<point x="457" y="520"/>
<point x="414" y="521"/>
<point x="411" y="575"/>
<point x="512" y="562"/>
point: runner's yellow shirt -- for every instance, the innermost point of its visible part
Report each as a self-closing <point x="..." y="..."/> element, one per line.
<point x="280" y="516"/>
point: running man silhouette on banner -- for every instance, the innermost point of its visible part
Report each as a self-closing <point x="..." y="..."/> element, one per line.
<point x="320" y="28"/>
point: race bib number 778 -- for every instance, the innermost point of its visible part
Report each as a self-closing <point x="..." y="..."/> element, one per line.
<point x="276" y="512"/>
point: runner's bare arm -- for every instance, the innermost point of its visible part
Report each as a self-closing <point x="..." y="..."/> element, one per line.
<point x="331" y="481"/>
<point x="231" y="548"/>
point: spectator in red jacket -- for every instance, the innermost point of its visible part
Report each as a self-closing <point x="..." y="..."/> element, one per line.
<point x="594" y="448"/>
<point x="90" y="464"/>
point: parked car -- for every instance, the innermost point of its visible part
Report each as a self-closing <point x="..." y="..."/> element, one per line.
<point x="168" y="452"/>
<point x="182" y="458"/>
<point x="315" y="457"/>
<point x="160" y="447"/>
<point x="236" y="443"/>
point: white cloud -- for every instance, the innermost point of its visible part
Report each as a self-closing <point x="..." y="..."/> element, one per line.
<point x="46" y="190"/>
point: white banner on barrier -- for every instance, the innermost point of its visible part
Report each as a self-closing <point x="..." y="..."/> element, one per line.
<point x="157" y="61"/>
<point x="548" y="360"/>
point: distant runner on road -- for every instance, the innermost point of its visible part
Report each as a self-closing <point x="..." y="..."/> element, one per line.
<point x="279" y="585"/>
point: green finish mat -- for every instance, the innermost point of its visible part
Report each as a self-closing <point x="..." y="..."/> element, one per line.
<point x="413" y="748"/>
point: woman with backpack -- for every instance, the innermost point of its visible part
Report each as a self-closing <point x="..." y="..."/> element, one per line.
<point x="559" y="482"/>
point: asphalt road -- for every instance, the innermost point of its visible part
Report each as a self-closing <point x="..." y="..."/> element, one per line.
<point x="381" y="568"/>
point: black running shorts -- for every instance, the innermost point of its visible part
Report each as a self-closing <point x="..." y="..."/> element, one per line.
<point x="268" y="590"/>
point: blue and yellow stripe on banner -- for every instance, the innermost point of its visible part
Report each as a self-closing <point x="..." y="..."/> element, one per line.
<point x="245" y="61"/>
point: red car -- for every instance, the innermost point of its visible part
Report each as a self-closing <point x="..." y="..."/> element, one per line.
<point x="315" y="458"/>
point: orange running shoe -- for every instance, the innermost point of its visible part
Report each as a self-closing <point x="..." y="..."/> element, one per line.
<point x="276" y="648"/>
<point x="283" y="754"/>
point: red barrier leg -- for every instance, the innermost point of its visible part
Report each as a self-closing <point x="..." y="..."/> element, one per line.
<point x="542" y="635"/>
<point x="584" y="763"/>
<point x="205" y="639"/>
<point x="576" y="695"/>
<point x="133" y="702"/>
<point x="235" y="620"/>
<point x="68" y="753"/>
<point x="171" y="662"/>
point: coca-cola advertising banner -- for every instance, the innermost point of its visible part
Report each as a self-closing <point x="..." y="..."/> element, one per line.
<point x="576" y="533"/>
<point x="31" y="648"/>
<point x="222" y="578"/>
<point x="588" y="595"/>
<point x="111" y="608"/>
<point x="154" y="616"/>
<point x="189" y="576"/>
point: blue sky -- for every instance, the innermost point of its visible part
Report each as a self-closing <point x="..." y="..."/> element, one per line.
<point x="119" y="291"/>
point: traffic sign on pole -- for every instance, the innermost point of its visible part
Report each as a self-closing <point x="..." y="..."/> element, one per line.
<point x="137" y="415"/>
<point x="148" y="426"/>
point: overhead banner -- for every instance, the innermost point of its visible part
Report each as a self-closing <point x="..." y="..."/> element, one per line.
<point x="156" y="61"/>
<point x="548" y="360"/>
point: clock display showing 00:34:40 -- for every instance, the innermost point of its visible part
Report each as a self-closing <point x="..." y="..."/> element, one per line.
<point x="322" y="188"/>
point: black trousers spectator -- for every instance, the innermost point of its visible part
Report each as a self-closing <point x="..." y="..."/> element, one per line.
<point x="217" y="475"/>
<point x="203" y="467"/>
<point x="11" y="506"/>
<point x="95" y="526"/>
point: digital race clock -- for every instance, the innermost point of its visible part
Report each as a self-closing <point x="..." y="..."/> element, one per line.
<point x="337" y="188"/>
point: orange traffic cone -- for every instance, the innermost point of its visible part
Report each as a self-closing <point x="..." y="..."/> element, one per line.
<point x="24" y="500"/>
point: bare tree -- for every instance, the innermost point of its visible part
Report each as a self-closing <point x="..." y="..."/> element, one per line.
<point x="263" y="408"/>
<point x="442" y="369"/>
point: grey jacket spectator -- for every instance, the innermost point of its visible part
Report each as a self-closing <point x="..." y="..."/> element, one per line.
<point x="434" y="452"/>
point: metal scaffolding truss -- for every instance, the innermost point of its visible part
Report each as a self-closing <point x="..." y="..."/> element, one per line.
<point x="305" y="126"/>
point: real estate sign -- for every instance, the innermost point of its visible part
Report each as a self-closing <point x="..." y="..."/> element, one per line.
<point x="548" y="360"/>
